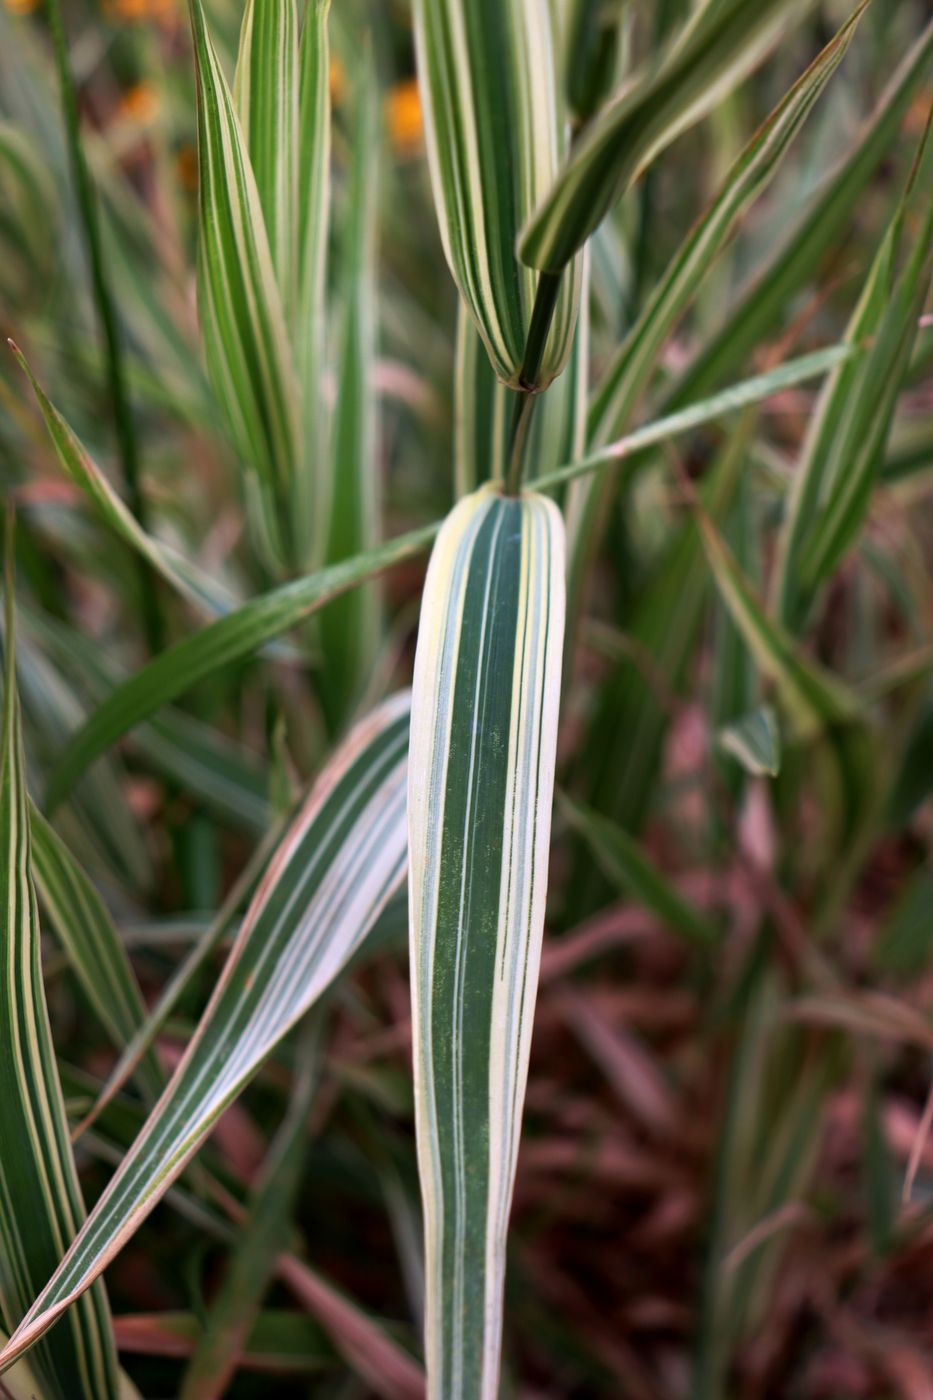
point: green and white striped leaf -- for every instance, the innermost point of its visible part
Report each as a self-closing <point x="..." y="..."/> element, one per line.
<point x="242" y="320"/>
<point x="349" y="626"/>
<point x="265" y="91"/>
<point x="722" y="42"/>
<point x="41" y="1208"/>
<point x="481" y="776"/>
<point x="240" y="633"/>
<point x="496" y="132"/>
<point x="313" y="485"/>
<point x="339" y="863"/>
<point x="754" y="741"/>
<point x="768" y="292"/>
<point x="87" y="933"/>
<point x="617" y="397"/>
<point x="845" y="440"/>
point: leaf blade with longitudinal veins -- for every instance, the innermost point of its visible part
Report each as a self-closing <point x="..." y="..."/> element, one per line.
<point x="86" y="931"/>
<point x="481" y="775"/>
<point x="243" y="323"/>
<point x="40" y="1199"/>
<point x="617" y="396"/>
<point x="337" y="866"/>
<point x="495" y="130"/>
<point x="719" y="46"/>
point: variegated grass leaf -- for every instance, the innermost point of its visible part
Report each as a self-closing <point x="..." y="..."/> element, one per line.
<point x="720" y="44"/>
<point x="496" y="131"/>
<point x="484" y="730"/>
<point x="339" y="863"/>
<point x="41" y="1209"/>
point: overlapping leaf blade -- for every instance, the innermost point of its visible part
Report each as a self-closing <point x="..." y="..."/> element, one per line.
<point x="242" y="319"/>
<point x="617" y="396"/>
<point x="496" y="132"/>
<point x="484" y="729"/>
<point x="40" y="1199"/>
<point x="339" y="863"/>
<point x="721" y="44"/>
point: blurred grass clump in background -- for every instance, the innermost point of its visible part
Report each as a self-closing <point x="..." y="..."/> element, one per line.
<point x="624" y="309"/>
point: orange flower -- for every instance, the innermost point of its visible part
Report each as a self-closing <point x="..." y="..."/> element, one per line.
<point x="337" y="82"/>
<point x="21" y="7"/>
<point x="140" y="104"/>
<point x="406" y="123"/>
<point x="136" y="11"/>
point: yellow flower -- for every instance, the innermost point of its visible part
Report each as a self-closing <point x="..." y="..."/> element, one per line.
<point x="406" y="124"/>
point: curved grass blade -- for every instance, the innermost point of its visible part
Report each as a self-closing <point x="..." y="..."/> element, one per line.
<point x="720" y="45"/>
<point x="179" y="573"/>
<point x="797" y="258"/>
<point x="832" y="486"/>
<point x="95" y="952"/>
<point x="349" y="626"/>
<point x="264" y="1236"/>
<point x="243" y="324"/>
<point x="481" y="776"/>
<point x="40" y="1199"/>
<point x="338" y="865"/>
<point x="627" y="866"/>
<point x="238" y="634"/>
<point x="617" y="396"/>
<point x="496" y="132"/>
<point x="258" y="621"/>
<point x="265" y="92"/>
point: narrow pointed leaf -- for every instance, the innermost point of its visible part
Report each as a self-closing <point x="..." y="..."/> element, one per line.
<point x="629" y="868"/>
<point x="41" y="1208"/>
<point x="238" y="634"/>
<point x="768" y="292"/>
<point x="265" y="91"/>
<point x="496" y="132"/>
<point x="617" y="397"/>
<point x="242" y="320"/>
<point x="178" y="572"/>
<point x="484" y="729"/>
<point x="349" y="626"/>
<point x="832" y="485"/>
<point x="720" y="45"/>
<point x="312" y="487"/>
<point x="339" y="863"/>
<point x="95" y="952"/>
<point x="754" y="741"/>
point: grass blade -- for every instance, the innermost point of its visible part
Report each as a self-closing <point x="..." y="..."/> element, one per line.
<point x="243" y="324"/>
<point x="495" y="130"/>
<point x="720" y="45"/>
<point x="237" y="635"/>
<point x="265" y="92"/>
<point x="764" y="297"/>
<point x="349" y="626"/>
<point x="40" y="1200"/>
<point x="618" y="394"/>
<point x="832" y="486"/>
<point x="484" y="727"/>
<point x="314" y="142"/>
<point x="339" y="863"/>
<point x="86" y="932"/>
<point x="264" y="1236"/>
<point x="629" y="868"/>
